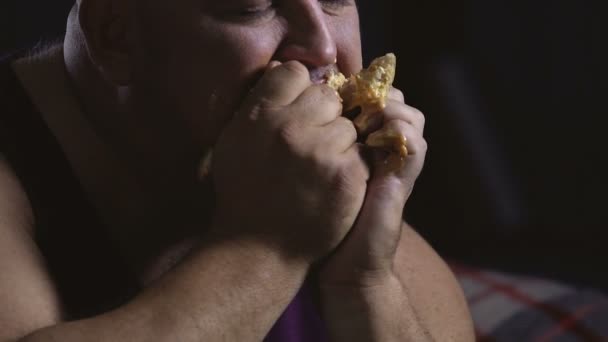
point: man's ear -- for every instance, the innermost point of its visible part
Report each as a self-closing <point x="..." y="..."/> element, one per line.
<point x="108" y="28"/>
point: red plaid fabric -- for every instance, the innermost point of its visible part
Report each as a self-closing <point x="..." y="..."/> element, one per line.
<point x="516" y="308"/>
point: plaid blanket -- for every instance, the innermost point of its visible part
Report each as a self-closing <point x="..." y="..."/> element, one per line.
<point x="516" y="308"/>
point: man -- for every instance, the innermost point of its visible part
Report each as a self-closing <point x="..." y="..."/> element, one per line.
<point x="136" y="96"/>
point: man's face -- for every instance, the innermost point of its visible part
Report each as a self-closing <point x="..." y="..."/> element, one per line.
<point x="197" y="59"/>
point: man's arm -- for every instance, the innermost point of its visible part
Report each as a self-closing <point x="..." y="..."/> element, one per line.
<point x="226" y="292"/>
<point x="383" y="277"/>
<point x="432" y="289"/>
<point x="421" y="302"/>
<point x="230" y="291"/>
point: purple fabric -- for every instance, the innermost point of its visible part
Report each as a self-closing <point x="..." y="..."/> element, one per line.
<point x="300" y="322"/>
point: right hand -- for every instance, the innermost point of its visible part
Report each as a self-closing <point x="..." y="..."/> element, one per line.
<point x="287" y="169"/>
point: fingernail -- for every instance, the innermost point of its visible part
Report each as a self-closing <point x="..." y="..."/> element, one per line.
<point x="272" y="65"/>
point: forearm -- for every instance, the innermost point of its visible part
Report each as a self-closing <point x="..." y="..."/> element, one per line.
<point x="379" y="313"/>
<point x="426" y="301"/>
<point x="234" y="291"/>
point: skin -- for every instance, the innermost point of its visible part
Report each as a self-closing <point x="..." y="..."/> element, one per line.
<point x="156" y="77"/>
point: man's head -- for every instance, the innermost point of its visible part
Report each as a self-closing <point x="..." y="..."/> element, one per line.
<point x="187" y="64"/>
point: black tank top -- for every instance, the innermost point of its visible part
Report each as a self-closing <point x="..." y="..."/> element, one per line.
<point x="90" y="275"/>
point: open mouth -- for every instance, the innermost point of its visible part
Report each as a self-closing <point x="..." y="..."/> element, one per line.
<point x="319" y="75"/>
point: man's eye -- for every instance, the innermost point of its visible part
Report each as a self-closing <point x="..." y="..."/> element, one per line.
<point x="253" y="13"/>
<point x="336" y="4"/>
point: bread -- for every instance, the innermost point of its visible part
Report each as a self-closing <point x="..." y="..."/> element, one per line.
<point x="369" y="89"/>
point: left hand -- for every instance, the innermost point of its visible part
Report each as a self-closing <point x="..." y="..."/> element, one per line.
<point x="365" y="257"/>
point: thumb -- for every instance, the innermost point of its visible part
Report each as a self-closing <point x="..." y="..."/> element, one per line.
<point x="386" y="192"/>
<point x="378" y="227"/>
<point x="272" y="65"/>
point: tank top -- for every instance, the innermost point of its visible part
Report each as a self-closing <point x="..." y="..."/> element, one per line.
<point x="87" y="268"/>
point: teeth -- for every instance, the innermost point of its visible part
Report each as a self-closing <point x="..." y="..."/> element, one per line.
<point x="317" y="80"/>
<point x="319" y="75"/>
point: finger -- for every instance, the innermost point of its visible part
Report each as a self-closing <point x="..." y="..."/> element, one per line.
<point x="272" y="65"/>
<point x="400" y="130"/>
<point x="396" y="95"/>
<point x="321" y="104"/>
<point x="337" y="136"/>
<point x="356" y="161"/>
<point x="386" y="156"/>
<point x="389" y="139"/>
<point x="370" y="119"/>
<point x="368" y="122"/>
<point x="280" y="85"/>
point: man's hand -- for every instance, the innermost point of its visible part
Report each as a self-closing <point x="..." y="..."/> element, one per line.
<point x="366" y="257"/>
<point x="363" y="297"/>
<point x="287" y="170"/>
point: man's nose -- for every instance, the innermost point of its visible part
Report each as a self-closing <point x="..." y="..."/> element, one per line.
<point x="308" y="37"/>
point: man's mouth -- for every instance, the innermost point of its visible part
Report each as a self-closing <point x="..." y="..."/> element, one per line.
<point x="319" y="75"/>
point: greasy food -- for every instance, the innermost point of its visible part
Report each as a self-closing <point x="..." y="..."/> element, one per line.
<point x="369" y="89"/>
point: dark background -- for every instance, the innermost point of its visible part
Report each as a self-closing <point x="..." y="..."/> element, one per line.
<point x="514" y="94"/>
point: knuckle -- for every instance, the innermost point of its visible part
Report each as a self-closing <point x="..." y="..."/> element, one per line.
<point x="320" y="158"/>
<point x="319" y="161"/>
<point x="398" y="94"/>
<point x="328" y="92"/>
<point x="288" y="135"/>
<point x="420" y="116"/>
<point x="424" y="145"/>
<point x="417" y="145"/>
<point x="258" y="110"/>
<point x="348" y="126"/>
<point x="297" y="68"/>
<point x="397" y="125"/>
<point x="327" y="95"/>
